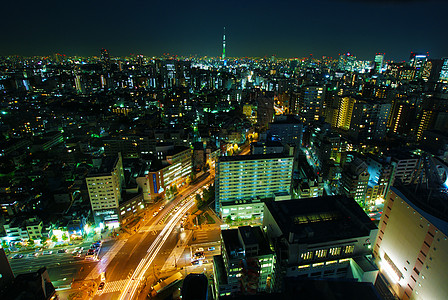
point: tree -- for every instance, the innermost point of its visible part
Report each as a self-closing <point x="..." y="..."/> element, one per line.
<point x="54" y="238"/>
<point x="30" y="242"/>
<point x="228" y="220"/>
<point x="64" y="236"/>
<point x="198" y="200"/>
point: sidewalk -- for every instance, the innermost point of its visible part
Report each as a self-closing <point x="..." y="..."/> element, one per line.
<point x="176" y="254"/>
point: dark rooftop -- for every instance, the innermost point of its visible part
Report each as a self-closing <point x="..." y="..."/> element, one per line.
<point x="107" y="166"/>
<point x="433" y="205"/>
<point x="302" y="289"/>
<point x="253" y="157"/>
<point x="314" y="220"/>
<point x="254" y="235"/>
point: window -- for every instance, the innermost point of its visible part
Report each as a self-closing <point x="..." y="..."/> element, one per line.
<point x="349" y="249"/>
<point x="335" y="251"/>
<point x="308" y="255"/>
<point x="321" y="253"/>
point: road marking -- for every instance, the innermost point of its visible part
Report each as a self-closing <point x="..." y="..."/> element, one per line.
<point x="113" y="286"/>
<point x="105" y="260"/>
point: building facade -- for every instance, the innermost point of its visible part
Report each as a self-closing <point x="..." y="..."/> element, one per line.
<point x="105" y="186"/>
<point x="324" y="237"/>
<point x="250" y="176"/>
<point x="412" y="247"/>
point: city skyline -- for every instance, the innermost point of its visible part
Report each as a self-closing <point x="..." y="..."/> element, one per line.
<point x="321" y="28"/>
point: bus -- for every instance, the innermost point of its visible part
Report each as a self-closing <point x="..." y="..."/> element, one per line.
<point x="170" y="281"/>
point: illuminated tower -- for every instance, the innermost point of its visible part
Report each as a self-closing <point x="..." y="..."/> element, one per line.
<point x="379" y="59"/>
<point x="224" y="45"/>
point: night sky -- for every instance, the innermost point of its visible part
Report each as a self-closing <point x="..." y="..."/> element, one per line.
<point x="253" y="28"/>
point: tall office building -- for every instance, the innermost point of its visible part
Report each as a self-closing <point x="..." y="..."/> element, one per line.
<point x="310" y="102"/>
<point x="443" y="77"/>
<point x="369" y="120"/>
<point x="249" y="176"/>
<point x="104" y="185"/>
<point x="418" y="61"/>
<point x="402" y="117"/>
<point x="287" y="129"/>
<point x="379" y="58"/>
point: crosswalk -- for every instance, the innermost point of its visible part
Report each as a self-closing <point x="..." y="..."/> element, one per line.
<point x="176" y="254"/>
<point x="200" y="236"/>
<point x="113" y="286"/>
<point x="106" y="259"/>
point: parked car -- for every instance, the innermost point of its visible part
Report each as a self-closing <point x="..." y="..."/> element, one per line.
<point x="62" y="250"/>
<point x="101" y="286"/>
<point x="47" y="252"/>
<point x="211" y="248"/>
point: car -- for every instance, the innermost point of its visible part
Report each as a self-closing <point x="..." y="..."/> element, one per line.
<point x="200" y="250"/>
<point x="62" y="250"/>
<point x="101" y="286"/>
<point x="195" y="262"/>
<point x="47" y="252"/>
<point x="75" y="250"/>
<point x="30" y="255"/>
<point x="155" y="213"/>
<point x="17" y="256"/>
<point x="211" y="248"/>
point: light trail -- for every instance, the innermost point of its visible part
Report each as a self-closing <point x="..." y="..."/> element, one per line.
<point x="139" y="274"/>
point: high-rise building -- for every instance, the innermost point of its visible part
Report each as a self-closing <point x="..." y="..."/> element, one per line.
<point x="354" y="180"/>
<point x="344" y="118"/>
<point x="310" y="102"/>
<point x="402" y="117"/>
<point x="379" y="58"/>
<point x="418" y="61"/>
<point x="249" y="176"/>
<point x="443" y="77"/>
<point x="247" y="264"/>
<point x="287" y="129"/>
<point x="426" y="122"/>
<point x="104" y="185"/>
<point x="265" y="109"/>
<point x="369" y="120"/>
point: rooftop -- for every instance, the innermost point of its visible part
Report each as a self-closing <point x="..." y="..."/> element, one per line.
<point x="315" y="220"/>
<point x="106" y="168"/>
<point x="253" y="157"/>
<point x="431" y="204"/>
<point x="251" y="235"/>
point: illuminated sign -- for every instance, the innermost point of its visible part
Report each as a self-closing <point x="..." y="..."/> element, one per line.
<point x="154" y="181"/>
